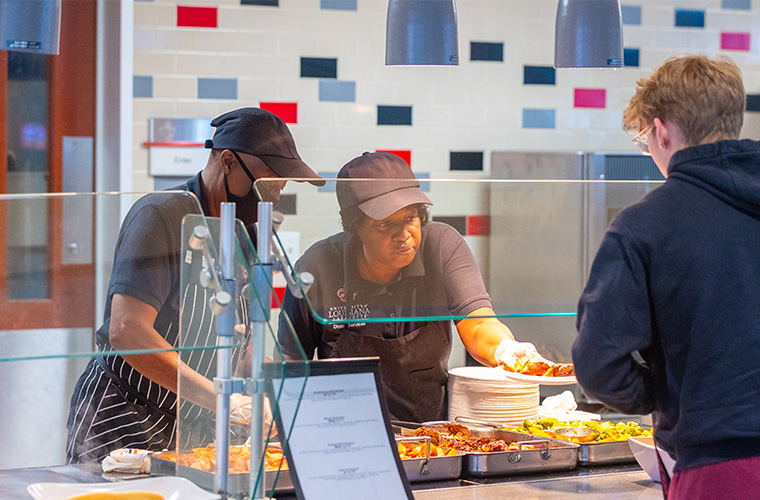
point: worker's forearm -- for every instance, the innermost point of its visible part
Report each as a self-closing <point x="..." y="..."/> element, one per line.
<point x="482" y="335"/>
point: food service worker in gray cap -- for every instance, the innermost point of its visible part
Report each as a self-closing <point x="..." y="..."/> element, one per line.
<point x="390" y="261"/>
<point x="130" y="401"/>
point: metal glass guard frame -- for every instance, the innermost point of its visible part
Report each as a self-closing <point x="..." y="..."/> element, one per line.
<point x="238" y="274"/>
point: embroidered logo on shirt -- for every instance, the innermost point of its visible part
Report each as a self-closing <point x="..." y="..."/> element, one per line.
<point x="356" y="311"/>
<point x="342" y="295"/>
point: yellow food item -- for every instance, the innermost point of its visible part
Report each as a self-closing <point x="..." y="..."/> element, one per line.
<point x="608" y="431"/>
<point x="239" y="462"/>
<point x="419" y="450"/>
<point x="118" y="495"/>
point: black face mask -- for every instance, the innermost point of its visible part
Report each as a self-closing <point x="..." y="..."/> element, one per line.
<point x="246" y="208"/>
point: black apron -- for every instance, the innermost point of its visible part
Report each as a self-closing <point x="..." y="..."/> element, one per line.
<point x="413" y="369"/>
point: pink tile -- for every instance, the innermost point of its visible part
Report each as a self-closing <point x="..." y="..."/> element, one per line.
<point x="590" y="98"/>
<point x="196" y="17"/>
<point x="734" y="41"/>
<point x="405" y="155"/>
<point x="478" y="225"/>
<point x="287" y="111"/>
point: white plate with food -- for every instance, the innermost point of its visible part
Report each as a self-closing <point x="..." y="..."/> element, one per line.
<point x="535" y="369"/>
<point x="155" y="488"/>
<point x="539" y="379"/>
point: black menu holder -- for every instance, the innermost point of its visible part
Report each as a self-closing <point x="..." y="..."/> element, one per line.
<point x="335" y="429"/>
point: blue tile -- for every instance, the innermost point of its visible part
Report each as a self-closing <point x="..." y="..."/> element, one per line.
<point x="631" y="14"/>
<point x="539" y="75"/>
<point x="538" y="118"/>
<point x="268" y="3"/>
<point x="337" y="4"/>
<point x="319" y="67"/>
<point x="142" y="86"/>
<point x="485" y="51"/>
<point x="690" y="18"/>
<point x="331" y="90"/>
<point x="631" y="58"/>
<point x="217" y="88"/>
<point x="329" y="186"/>
<point x="736" y="4"/>
<point x="424" y="186"/>
<point x="466" y="160"/>
<point x="753" y="103"/>
<point x="394" y="115"/>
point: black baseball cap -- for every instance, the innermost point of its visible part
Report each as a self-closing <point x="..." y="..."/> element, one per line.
<point x="378" y="200"/>
<point x="260" y="133"/>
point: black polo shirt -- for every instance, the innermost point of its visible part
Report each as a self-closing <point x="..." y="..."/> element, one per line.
<point x="443" y="280"/>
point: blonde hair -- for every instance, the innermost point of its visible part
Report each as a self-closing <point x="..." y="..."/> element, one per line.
<point x="703" y="95"/>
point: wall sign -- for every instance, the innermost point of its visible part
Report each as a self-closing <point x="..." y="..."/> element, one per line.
<point x="176" y="146"/>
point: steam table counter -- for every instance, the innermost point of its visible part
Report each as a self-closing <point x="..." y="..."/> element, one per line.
<point x="619" y="482"/>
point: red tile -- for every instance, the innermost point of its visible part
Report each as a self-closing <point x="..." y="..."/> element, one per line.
<point x="590" y="98"/>
<point x="287" y="111"/>
<point x="735" y="41"/>
<point x="196" y="17"/>
<point x="478" y="225"/>
<point x="279" y="293"/>
<point x="405" y="155"/>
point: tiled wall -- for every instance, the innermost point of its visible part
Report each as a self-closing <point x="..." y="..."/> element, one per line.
<point x="319" y="64"/>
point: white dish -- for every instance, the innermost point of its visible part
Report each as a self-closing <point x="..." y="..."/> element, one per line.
<point x="645" y="454"/>
<point x="171" y="488"/>
<point x="483" y="376"/>
<point x="484" y="393"/>
<point x="535" y="379"/>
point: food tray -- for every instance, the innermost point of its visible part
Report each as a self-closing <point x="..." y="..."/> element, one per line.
<point x="552" y="454"/>
<point x="611" y="452"/>
<point x="549" y="455"/>
<point x="237" y="482"/>
<point x="432" y="468"/>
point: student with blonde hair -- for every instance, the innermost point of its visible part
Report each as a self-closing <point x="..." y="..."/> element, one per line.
<point x="669" y="321"/>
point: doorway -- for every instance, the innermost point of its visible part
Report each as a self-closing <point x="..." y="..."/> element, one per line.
<point x="47" y="109"/>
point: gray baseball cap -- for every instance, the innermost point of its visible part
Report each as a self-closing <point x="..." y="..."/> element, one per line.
<point x="378" y="199"/>
<point x="260" y="133"/>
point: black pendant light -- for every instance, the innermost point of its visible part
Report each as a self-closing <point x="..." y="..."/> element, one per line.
<point x="421" y="33"/>
<point x="588" y="34"/>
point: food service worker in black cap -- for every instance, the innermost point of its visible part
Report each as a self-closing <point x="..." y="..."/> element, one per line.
<point x="130" y="401"/>
<point x="391" y="262"/>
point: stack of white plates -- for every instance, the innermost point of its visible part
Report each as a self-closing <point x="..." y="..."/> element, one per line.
<point x="486" y="394"/>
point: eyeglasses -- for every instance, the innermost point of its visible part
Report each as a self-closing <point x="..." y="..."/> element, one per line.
<point x="641" y="141"/>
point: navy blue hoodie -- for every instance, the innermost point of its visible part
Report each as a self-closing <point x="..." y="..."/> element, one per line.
<point x="677" y="279"/>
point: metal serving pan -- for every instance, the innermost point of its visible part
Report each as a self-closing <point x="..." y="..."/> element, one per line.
<point x="547" y="455"/>
<point x="609" y="452"/>
<point x="237" y="483"/>
<point x="416" y="469"/>
<point x="430" y="468"/>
